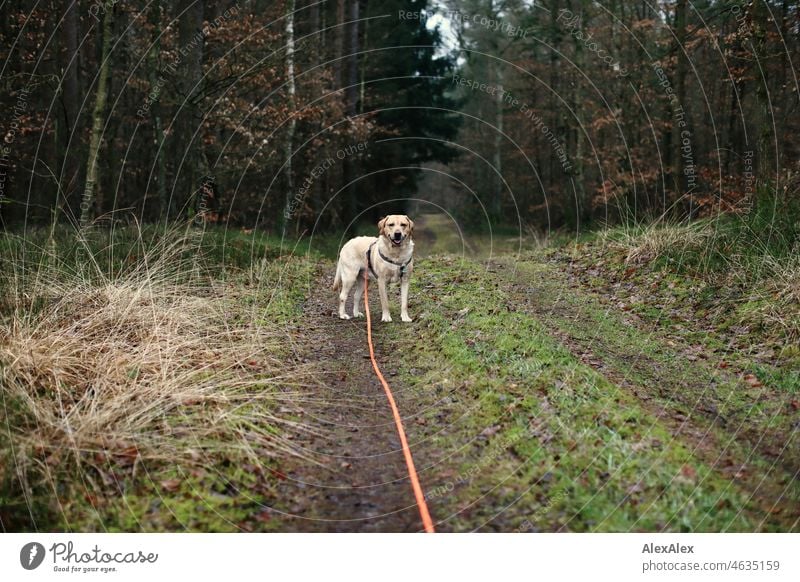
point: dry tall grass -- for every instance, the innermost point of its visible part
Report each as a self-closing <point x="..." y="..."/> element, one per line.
<point x="781" y="297"/>
<point x="159" y="362"/>
<point x="772" y="282"/>
<point x="647" y="245"/>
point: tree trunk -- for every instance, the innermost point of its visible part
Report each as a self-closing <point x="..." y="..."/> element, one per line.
<point x="352" y="60"/>
<point x="737" y="90"/>
<point x="582" y="209"/>
<point x="362" y="97"/>
<point x="156" y="84"/>
<point x="497" y="161"/>
<point x="290" y="89"/>
<point x="349" y="164"/>
<point x="678" y="111"/>
<point x="314" y="28"/>
<point x="71" y="100"/>
<point x="340" y="34"/>
<point x="187" y="144"/>
<point x="554" y="71"/>
<point x="766" y="159"/>
<point x="92" y="173"/>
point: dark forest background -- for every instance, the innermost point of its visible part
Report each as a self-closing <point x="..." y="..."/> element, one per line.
<point x="296" y="114"/>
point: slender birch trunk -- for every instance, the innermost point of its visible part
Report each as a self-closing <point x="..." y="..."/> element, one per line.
<point x="290" y="88"/>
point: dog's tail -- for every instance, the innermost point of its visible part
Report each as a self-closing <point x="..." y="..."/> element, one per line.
<point x="337" y="280"/>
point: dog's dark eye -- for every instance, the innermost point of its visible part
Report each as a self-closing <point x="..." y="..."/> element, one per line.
<point x="391" y="224"/>
<point x="404" y="225"/>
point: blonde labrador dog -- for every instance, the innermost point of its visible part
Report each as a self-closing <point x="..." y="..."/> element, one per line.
<point x="389" y="257"/>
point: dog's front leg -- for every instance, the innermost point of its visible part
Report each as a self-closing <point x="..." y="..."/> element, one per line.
<point x="384" y="299"/>
<point x="404" y="299"/>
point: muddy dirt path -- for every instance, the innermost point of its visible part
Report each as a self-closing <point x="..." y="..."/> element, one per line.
<point x="355" y="480"/>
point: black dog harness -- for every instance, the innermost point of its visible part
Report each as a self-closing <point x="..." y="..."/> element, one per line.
<point x="388" y="260"/>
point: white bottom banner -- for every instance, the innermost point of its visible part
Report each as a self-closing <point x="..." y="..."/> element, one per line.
<point x="333" y="557"/>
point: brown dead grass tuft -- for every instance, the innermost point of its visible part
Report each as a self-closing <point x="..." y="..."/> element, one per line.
<point x="156" y="363"/>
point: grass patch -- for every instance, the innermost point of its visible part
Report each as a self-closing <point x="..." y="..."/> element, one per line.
<point x="748" y="261"/>
<point x="164" y="365"/>
<point x="575" y="451"/>
<point x="731" y="284"/>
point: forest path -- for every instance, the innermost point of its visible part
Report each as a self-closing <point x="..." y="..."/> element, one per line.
<point x="355" y="480"/>
<point x="530" y="405"/>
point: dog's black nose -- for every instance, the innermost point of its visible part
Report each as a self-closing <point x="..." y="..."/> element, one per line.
<point x="397" y="236"/>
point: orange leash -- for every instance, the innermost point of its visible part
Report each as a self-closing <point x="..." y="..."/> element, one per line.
<point x="412" y="472"/>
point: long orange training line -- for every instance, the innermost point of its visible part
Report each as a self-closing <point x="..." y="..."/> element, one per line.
<point x="412" y="471"/>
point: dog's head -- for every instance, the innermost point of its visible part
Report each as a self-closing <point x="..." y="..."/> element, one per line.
<point x="396" y="228"/>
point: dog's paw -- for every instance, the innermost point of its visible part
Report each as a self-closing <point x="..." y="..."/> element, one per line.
<point x="406" y="318"/>
<point x="358" y="314"/>
<point x="386" y="317"/>
<point x="344" y="316"/>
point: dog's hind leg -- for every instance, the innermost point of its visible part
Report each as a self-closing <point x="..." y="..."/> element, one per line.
<point x="337" y="280"/>
<point x="347" y="281"/>
<point x="358" y="295"/>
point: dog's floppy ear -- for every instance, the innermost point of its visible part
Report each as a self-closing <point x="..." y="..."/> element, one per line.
<point x="381" y="225"/>
<point x="410" y="225"/>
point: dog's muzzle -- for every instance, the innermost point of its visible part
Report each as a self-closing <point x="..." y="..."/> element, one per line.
<point x="397" y="238"/>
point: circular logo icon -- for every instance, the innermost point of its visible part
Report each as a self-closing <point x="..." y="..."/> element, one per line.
<point x="31" y="555"/>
